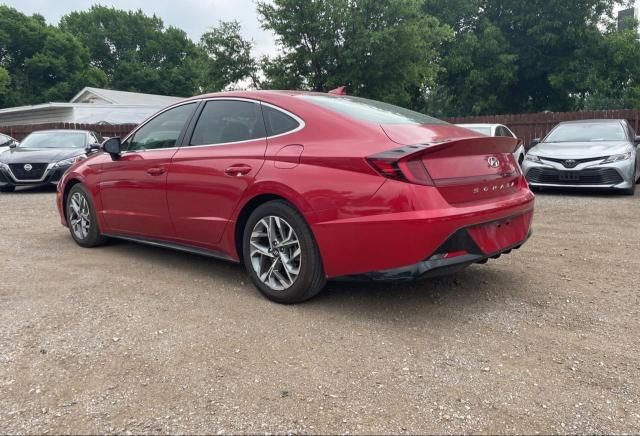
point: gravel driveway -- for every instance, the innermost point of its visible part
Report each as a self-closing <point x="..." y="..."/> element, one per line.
<point x="128" y="338"/>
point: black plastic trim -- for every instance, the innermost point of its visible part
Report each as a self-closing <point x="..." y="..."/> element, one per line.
<point x="174" y="246"/>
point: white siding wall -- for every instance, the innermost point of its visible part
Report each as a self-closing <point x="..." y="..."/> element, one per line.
<point x="48" y="115"/>
<point x="90" y="114"/>
<point x="113" y="114"/>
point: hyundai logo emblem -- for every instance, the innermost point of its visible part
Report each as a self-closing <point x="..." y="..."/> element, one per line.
<point x="28" y="167"/>
<point x="493" y="162"/>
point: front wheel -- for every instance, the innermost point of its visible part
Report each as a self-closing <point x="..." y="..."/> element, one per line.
<point x="81" y="217"/>
<point x="280" y="254"/>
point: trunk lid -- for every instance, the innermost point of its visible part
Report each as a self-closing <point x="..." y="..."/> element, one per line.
<point x="464" y="167"/>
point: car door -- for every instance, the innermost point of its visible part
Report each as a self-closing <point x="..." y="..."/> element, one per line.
<point x="219" y="161"/>
<point x="133" y="187"/>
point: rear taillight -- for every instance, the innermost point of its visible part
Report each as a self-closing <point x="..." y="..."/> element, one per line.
<point x="403" y="165"/>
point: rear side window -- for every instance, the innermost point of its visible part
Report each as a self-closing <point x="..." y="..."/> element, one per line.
<point x="502" y="131"/>
<point x="278" y="122"/>
<point x="225" y="121"/>
<point x="370" y="110"/>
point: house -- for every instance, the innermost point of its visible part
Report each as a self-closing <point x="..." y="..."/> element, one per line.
<point x="626" y="17"/>
<point x="90" y="106"/>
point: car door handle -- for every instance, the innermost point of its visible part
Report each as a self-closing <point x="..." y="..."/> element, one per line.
<point x="238" y="170"/>
<point x="156" y="171"/>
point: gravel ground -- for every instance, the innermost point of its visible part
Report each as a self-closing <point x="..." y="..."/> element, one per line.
<point x="128" y="338"/>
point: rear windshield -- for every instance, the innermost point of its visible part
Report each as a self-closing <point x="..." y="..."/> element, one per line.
<point x="585" y="132"/>
<point x="54" y="140"/>
<point x="370" y="110"/>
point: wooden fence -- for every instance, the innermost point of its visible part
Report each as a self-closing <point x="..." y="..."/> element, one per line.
<point x="19" y="132"/>
<point x="526" y="126"/>
<point x="531" y="126"/>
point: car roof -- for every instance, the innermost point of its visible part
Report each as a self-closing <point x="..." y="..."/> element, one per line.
<point x="62" y="131"/>
<point x="480" y="125"/>
<point x="258" y="94"/>
<point x="595" y="121"/>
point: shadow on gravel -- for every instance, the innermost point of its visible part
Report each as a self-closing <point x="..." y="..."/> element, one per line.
<point x="32" y="190"/>
<point x="469" y="289"/>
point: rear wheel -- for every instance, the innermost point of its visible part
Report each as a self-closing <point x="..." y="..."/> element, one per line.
<point x="81" y="217"/>
<point x="281" y="255"/>
<point x="7" y="188"/>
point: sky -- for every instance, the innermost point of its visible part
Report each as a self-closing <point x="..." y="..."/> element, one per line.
<point x="193" y="16"/>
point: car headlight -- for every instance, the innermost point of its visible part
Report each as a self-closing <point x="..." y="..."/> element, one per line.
<point x="617" y="158"/>
<point x="533" y="158"/>
<point x="69" y="161"/>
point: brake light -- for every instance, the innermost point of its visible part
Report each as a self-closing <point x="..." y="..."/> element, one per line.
<point x="402" y="165"/>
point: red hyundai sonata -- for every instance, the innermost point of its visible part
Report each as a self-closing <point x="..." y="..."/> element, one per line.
<point x="304" y="187"/>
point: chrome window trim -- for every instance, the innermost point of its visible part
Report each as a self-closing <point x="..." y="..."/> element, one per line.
<point x="300" y="121"/>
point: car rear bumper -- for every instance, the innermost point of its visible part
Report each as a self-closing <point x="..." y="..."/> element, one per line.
<point x="383" y="245"/>
<point x="436" y="266"/>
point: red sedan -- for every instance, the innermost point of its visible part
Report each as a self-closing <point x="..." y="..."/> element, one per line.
<point x="304" y="187"/>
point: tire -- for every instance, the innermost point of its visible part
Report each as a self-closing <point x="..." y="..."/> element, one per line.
<point x="86" y="234"/>
<point x="7" y="188"/>
<point x="276" y="262"/>
<point x="632" y="190"/>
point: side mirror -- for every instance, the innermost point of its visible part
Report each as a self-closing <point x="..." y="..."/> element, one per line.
<point x="535" y="142"/>
<point x="113" y="147"/>
<point x="13" y="144"/>
<point x="638" y="140"/>
<point x="92" y="148"/>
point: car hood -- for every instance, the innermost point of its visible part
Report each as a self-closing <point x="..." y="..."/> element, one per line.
<point x="580" y="150"/>
<point x="38" y="155"/>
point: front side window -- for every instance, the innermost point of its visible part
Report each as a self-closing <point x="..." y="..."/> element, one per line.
<point x="587" y="132"/>
<point x="162" y="131"/>
<point x="227" y="121"/>
<point x="59" y="139"/>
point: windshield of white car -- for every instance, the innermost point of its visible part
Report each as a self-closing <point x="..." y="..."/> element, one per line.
<point x="54" y="140"/>
<point x="481" y="130"/>
<point x="585" y="132"/>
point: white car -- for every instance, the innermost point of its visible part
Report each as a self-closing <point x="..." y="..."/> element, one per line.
<point x="497" y="130"/>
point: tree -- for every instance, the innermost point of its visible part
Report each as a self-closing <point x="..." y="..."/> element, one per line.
<point x="136" y="51"/>
<point x="40" y="63"/>
<point x="383" y="50"/>
<point x="229" y="58"/>
<point x="546" y="34"/>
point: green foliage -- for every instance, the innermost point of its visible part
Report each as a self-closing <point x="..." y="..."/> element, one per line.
<point x="383" y="50"/>
<point x="229" y="58"/>
<point x="39" y="62"/>
<point x="444" y="57"/>
<point x="136" y="51"/>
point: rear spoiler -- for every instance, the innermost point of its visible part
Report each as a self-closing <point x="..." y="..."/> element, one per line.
<point x="456" y="147"/>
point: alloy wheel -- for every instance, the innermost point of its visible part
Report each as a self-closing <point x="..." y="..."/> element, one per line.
<point x="275" y="253"/>
<point x="79" y="215"/>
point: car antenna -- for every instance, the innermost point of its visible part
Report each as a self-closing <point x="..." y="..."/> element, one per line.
<point x="342" y="90"/>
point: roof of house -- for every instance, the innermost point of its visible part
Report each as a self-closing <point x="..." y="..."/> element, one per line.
<point x="124" y="97"/>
